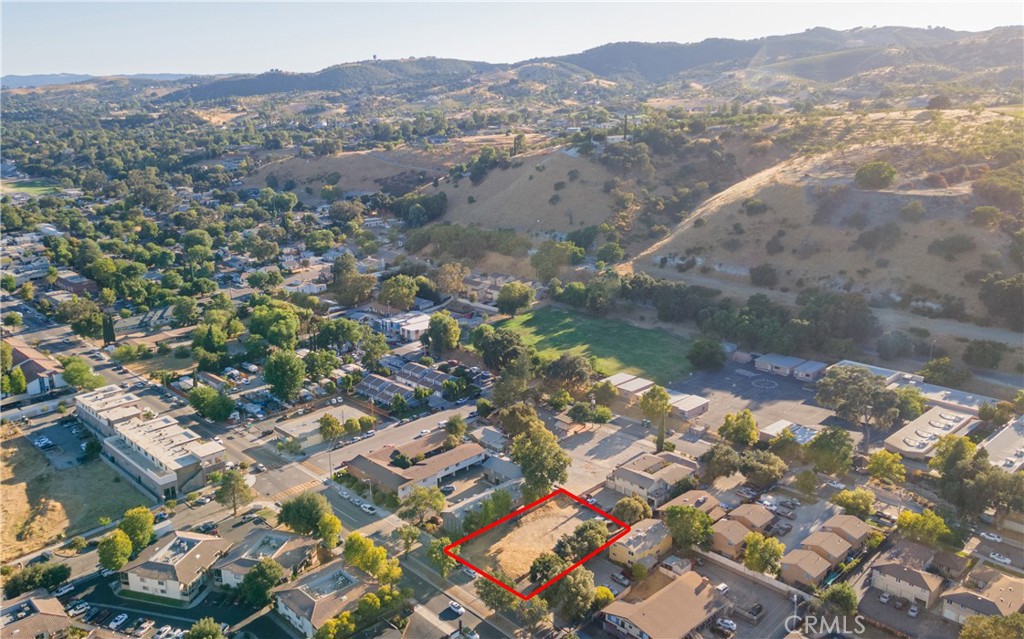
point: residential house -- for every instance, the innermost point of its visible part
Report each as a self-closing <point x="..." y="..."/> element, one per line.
<point x="986" y="591"/>
<point x="854" y="530"/>
<point x="294" y="553"/>
<point x="727" y="538"/>
<point x="754" y="516"/>
<point x="42" y="373"/>
<point x="75" y="283"/>
<point x="651" y="476"/>
<point x="382" y="390"/>
<point x="684" y="606"/>
<point x="407" y="327"/>
<point x="175" y="567"/>
<point x="803" y="568"/>
<point x="492" y="439"/>
<point x="647" y="541"/>
<point x="379" y="467"/>
<point x="453" y="515"/>
<point x="702" y="500"/>
<point x="420" y="376"/>
<point x="34" y="615"/>
<point x="829" y="545"/>
<point x="902" y="571"/>
<point x="318" y="596"/>
<point x="497" y="470"/>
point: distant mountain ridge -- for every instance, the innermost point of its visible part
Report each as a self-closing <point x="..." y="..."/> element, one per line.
<point x="46" y="79"/>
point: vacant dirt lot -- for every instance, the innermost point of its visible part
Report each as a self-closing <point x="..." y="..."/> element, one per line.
<point x="514" y="545"/>
<point x="40" y="503"/>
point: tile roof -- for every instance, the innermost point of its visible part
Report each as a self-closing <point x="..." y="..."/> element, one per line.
<point x="672" y="612"/>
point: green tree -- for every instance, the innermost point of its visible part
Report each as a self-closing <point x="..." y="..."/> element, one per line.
<point x="546" y="566"/>
<point x="706" y="353"/>
<point x="631" y="510"/>
<point x="115" y="549"/>
<point x="762" y="554"/>
<point x="689" y="527"/>
<point x="604" y="393"/>
<point x="575" y="594"/>
<point x="17" y="382"/>
<point x="47" y="575"/>
<point x="875" y="175"/>
<point x="205" y="628"/>
<point x="569" y="371"/>
<point x="233" y="491"/>
<point x="408" y="535"/>
<point x="942" y="372"/>
<point x="443" y="333"/>
<point x="533" y="613"/>
<point x="807" y="482"/>
<point x="258" y="582"/>
<point x="550" y="257"/>
<point x="542" y="460"/>
<point x="655" y="406"/>
<point x="302" y="513"/>
<point x="285" y="373"/>
<point x="739" y="428"/>
<point x="986" y="627"/>
<point x="398" y="292"/>
<point x="330" y="427"/>
<point x="328" y="529"/>
<point x="456" y="429"/>
<point x="435" y="553"/>
<point x="137" y="523"/>
<point x="927" y="527"/>
<point x="910" y="402"/>
<point x="422" y="501"/>
<point x="374" y="347"/>
<point x="858" y="502"/>
<point x="859" y="396"/>
<point x="887" y="467"/>
<point x="514" y="297"/>
<point x="610" y="253"/>
<point x="494" y="596"/>
<point x="831" y="451"/>
<point x="108" y="330"/>
<point x="319" y="363"/>
<point x="762" y="468"/>
<point x="450" y="277"/>
<point x="719" y="461"/>
<point x="841" y="598"/>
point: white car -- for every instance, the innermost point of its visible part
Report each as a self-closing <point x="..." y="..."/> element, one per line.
<point x="344" y="494"/>
<point x="469" y="572"/>
<point x="991" y="537"/>
<point x="726" y="624"/>
<point x="63" y="590"/>
<point x="78" y="610"/>
<point x="118" y="620"/>
<point x="467" y="633"/>
<point x="1003" y="559"/>
<point x="106" y="572"/>
<point x="369" y="509"/>
<point x="164" y="632"/>
<point x="885" y="597"/>
<point x="913" y="611"/>
<point x="423" y="433"/>
<point x="456" y="607"/>
<point x="836" y="484"/>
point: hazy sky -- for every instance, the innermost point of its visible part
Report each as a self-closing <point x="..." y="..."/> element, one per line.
<point x="193" y="37"/>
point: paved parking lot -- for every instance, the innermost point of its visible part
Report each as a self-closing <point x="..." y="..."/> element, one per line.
<point x="597" y="452"/>
<point x="744" y="593"/>
<point x="928" y="623"/>
<point x="769" y="397"/>
<point x="67" y="445"/>
<point x="468" y="483"/>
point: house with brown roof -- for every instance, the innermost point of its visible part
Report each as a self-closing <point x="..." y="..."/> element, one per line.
<point x="647" y="541"/>
<point x="727" y="538"/>
<point x="292" y="552"/>
<point x="802" y="567"/>
<point x="902" y="572"/>
<point x="702" y="500"/>
<point x="383" y="468"/>
<point x="34" y="614"/>
<point x="316" y="597"/>
<point x="651" y="476"/>
<point x="829" y="545"/>
<point x="986" y="591"/>
<point x="754" y="516"/>
<point x="854" y="530"/>
<point x="175" y="567"/>
<point x="42" y="373"/>
<point x="683" y="606"/>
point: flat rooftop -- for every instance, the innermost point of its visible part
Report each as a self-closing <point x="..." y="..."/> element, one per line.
<point x="1006" y="446"/>
<point x="917" y="439"/>
<point x="166" y="443"/>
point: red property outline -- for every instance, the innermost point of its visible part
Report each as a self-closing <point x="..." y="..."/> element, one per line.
<point x="522" y="509"/>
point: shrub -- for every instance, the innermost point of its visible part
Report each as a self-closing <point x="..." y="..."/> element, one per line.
<point x="913" y="211"/>
<point x="952" y="246"/>
<point x="764" y="275"/>
<point x="754" y="206"/>
<point x="875" y="175"/>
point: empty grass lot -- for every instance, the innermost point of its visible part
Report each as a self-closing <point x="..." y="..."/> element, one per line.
<point x="615" y="346"/>
<point x="37" y="188"/>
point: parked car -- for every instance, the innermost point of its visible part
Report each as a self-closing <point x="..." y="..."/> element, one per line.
<point x="722" y="588"/>
<point x="792" y="504"/>
<point x="728" y="624"/>
<point x="836" y="484"/>
<point x="456" y="607"/>
<point x="64" y="590"/>
<point x="80" y="609"/>
<point x="447" y="489"/>
<point x="991" y="537"/>
<point x="783" y="528"/>
<point x="467" y="633"/>
<point x="788" y="514"/>
<point x="369" y="509"/>
<point x="1003" y="559"/>
<point x="900" y="603"/>
<point x="620" y="579"/>
<point x="118" y="620"/>
<point x="886" y="596"/>
<point x="913" y="611"/>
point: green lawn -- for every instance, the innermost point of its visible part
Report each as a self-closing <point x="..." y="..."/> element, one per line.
<point x="615" y="346"/>
<point x="32" y="187"/>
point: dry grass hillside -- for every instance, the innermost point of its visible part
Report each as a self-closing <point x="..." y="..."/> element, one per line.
<point x="821" y="230"/>
<point x="522" y="197"/>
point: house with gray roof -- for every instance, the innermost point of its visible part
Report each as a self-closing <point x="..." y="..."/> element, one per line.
<point x="175" y="567"/>
<point x="651" y="476"/>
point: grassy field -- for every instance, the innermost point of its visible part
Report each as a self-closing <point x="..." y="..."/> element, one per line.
<point x="615" y="346"/>
<point x="40" y="503"/>
<point x="32" y="187"/>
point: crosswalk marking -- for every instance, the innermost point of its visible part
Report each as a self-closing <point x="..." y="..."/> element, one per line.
<point x="295" y="490"/>
<point x="313" y="467"/>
